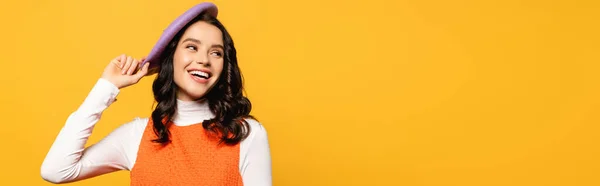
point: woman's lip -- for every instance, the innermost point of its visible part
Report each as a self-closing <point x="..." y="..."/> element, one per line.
<point x="201" y="70"/>
<point x="198" y="79"/>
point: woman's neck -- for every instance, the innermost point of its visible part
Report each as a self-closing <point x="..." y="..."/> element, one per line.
<point x="192" y="112"/>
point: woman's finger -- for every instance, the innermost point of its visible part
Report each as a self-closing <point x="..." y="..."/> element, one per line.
<point x="133" y="67"/>
<point x="116" y="63"/>
<point x="127" y="65"/>
<point x="142" y="72"/>
<point x="122" y="59"/>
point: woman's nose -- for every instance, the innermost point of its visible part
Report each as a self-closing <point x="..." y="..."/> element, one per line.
<point x="203" y="59"/>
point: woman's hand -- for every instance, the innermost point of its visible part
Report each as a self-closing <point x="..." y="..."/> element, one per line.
<point x="124" y="71"/>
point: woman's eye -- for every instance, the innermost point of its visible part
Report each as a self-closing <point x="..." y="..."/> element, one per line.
<point x="216" y="53"/>
<point x="191" y="47"/>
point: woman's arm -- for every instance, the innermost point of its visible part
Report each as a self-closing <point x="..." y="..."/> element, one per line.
<point x="67" y="159"/>
<point x="256" y="160"/>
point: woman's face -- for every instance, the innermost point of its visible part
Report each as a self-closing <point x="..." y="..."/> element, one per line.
<point x="198" y="60"/>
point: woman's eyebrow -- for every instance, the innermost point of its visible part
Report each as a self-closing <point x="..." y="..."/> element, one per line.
<point x="198" y="41"/>
<point x="218" y="46"/>
<point x="192" y="40"/>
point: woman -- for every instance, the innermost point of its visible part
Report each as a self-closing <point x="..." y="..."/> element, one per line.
<point x="200" y="132"/>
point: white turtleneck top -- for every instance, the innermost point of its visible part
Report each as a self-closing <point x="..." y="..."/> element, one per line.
<point x="68" y="160"/>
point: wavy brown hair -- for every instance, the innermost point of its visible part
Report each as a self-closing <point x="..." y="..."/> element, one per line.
<point x="225" y="99"/>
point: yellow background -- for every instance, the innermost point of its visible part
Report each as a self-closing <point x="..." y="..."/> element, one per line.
<point x="405" y="92"/>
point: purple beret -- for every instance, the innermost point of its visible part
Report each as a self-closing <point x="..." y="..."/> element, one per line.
<point x="174" y="28"/>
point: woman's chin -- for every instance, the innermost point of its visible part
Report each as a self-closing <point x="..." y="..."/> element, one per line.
<point x="194" y="91"/>
<point x="197" y="96"/>
<point x="192" y="94"/>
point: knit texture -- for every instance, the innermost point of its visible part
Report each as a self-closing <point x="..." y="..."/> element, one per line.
<point x="192" y="158"/>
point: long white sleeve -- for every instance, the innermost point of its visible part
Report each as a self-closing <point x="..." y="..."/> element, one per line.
<point x="255" y="160"/>
<point x="68" y="161"/>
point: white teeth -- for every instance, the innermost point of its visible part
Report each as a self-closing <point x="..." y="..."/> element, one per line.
<point x="199" y="73"/>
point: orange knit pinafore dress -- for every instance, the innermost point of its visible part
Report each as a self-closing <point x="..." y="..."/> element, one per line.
<point x="194" y="157"/>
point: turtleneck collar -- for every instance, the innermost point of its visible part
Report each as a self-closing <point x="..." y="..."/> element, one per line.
<point x="192" y="112"/>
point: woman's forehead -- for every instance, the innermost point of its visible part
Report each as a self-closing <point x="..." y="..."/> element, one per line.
<point x="203" y="32"/>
